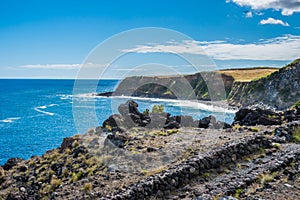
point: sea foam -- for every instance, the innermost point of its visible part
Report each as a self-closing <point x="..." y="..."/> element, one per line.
<point x="41" y="109"/>
<point x="10" y="120"/>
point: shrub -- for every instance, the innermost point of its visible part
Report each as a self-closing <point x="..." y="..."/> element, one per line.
<point x="265" y="178"/>
<point x="146" y="111"/>
<point x="276" y="145"/>
<point x="158" y="109"/>
<point x="297" y="104"/>
<point x="206" y="175"/>
<point x="152" y="172"/>
<point x="55" y="183"/>
<point x="262" y="150"/>
<point x="76" y="144"/>
<point x="296" y="135"/>
<point x="91" y="170"/>
<point x="238" y="192"/>
<point x="292" y="164"/>
<point x="45" y="189"/>
<point x="108" y="127"/>
<point x="172" y="131"/>
<point x="87" y="187"/>
<point x="76" y="177"/>
<point x="254" y="129"/>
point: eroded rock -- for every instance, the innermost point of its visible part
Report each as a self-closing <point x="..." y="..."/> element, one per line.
<point x="11" y="163"/>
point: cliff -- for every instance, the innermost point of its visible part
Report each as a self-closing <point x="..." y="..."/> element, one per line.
<point x="173" y="87"/>
<point x="280" y="89"/>
<point x="243" y="87"/>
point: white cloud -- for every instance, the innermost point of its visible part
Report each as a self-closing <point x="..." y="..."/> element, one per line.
<point x="287" y="7"/>
<point x="273" y="21"/>
<point x="249" y="14"/>
<point x="282" y="48"/>
<point x="60" y="66"/>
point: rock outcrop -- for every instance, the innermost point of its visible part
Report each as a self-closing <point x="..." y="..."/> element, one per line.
<point x="130" y="117"/>
<point x="258" y="116"/>
<point x="11" y="163"/>
<point x="280" y="90"/>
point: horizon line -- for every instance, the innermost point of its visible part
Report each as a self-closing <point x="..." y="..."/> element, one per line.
<point x="53" y="78"/>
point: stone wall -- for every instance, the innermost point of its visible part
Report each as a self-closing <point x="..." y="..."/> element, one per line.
<point x="161" y="184"/>
<point x="181" y="174"/>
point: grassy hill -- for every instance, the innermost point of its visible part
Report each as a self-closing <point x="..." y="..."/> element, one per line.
<point x="248" y="74"/>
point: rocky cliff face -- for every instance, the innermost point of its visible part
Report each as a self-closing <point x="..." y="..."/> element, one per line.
<point x="177" y="87"/>
<point x="280" y="89"/>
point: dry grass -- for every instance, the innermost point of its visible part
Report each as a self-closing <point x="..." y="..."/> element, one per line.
<point x="248" y="74"/>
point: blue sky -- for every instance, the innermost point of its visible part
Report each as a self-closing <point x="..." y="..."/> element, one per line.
<point x="51" y="39"/>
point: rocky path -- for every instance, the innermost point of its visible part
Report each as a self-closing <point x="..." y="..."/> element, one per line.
<point x="239" y="169"/>
<point x="245" y="177"/>
<point x="242" y="162"/>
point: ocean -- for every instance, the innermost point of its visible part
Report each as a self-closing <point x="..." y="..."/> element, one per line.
<point x="35" y="115"/>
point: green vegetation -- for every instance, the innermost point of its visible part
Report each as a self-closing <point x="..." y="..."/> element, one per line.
<point x="76" y="144"/>
<point x="254" y="129"/>
<point x="168" y="92"/>
<point x="262" y="150"/>
<point x="154" y="171"/>
<point x="87" y="187"/>
<point x="265" y="178"/>
<point x="295" y="62"/>
<point x="108" y="127"/>
<point x="252" y="188"/>
<point x="146" y="111"/>
<point x="158" y="109"/>
<point x="47" y="188"/>
<point x="276" y="145"/>
<point x="91" y="170"/>
<point x="55" y="183"/>
<point x="297" y="104"/>
<point x="76" y="177"/>
<point x="164" y="132"/>
<point x="238" y="192"/>
<point x="172" y="131"/>
<point x="296" y="135"/>
<point x="292" y="164"/>
<point x="272" y="116"/>
<point x="206" y="175"/>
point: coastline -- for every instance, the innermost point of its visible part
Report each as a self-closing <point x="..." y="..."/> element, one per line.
<point x="103" y="160"/>
<point x="152" y="154"/>
<point x="223" y="104"/>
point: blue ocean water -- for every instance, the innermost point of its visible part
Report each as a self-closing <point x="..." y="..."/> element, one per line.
<point x="35" y="115"/>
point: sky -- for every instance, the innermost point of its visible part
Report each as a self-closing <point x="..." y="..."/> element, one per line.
<point x="55" y="39"/>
